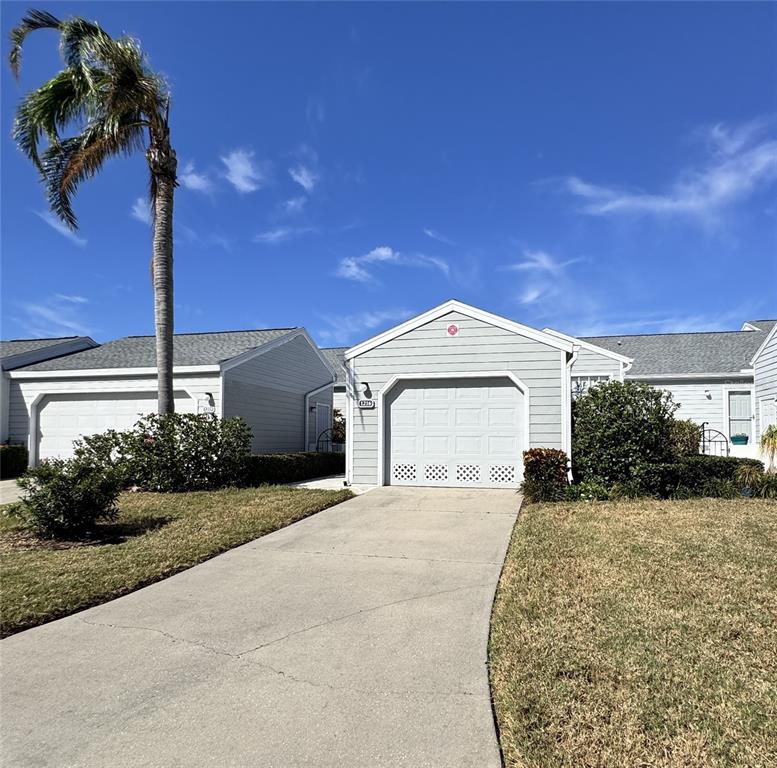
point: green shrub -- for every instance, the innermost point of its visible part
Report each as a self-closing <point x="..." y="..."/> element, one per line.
<point x="755" y="482"/>
<point x="619" y="426"/>
<point x="694" y="476"/>
<point x="592" y="490"/>
<point x="544" y="474"/>
<point x="13" y="461"/>
<point x="685" y="437"/>
<point x="176" y="452"/>
<point x="275" y="468"/>
<point x="65" y="498"/>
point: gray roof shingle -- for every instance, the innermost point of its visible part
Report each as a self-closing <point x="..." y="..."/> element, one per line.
<point x="336" y="358"/>
<point x="687" y="353"/>
<point x="140" y="351"/>
<point x="21" y="346"/>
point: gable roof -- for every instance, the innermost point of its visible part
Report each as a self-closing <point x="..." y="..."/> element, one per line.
<point x="621" y="358"/>
<point x="336" y="358"/>
<point x="16" y="352"/>
<point x="758" y="325"/>
<point x="764" y="343"/>
<point x="685" y="354"/>
<point x="189" y="349"/>
<point x="464" y="309"/>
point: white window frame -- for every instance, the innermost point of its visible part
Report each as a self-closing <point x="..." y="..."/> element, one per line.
<point x="743" y="387"/>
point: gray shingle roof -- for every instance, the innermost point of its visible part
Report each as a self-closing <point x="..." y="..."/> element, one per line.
<point x="336" y="358"/>
<point x="764" y="325"/>
<point x="687" y="353"/>
<point x="20" y="346"/>
<point x="140" y="351"/>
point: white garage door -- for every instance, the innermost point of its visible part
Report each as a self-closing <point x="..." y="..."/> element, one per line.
<point x="455" y="432"/>
<point x="63" y="418"/>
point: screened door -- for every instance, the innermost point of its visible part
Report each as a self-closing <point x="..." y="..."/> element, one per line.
<point x="740" y="413"/>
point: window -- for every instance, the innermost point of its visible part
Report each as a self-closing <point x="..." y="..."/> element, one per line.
<point x="581" y="384"/>
<point x="740" y="413"/>
<point x="768" y="411"/>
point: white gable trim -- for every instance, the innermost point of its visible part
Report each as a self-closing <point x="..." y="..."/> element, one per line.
<point x="763" y="346"/>
<point x="744" y="375"/>
<point x="591" y="347"/>
<point x="466" y="310"/>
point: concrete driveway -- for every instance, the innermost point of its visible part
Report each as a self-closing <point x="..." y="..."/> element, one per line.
<point x="356" y="637"/>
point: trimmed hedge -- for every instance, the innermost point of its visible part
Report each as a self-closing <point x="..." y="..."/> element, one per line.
<point x="13" y="461"/>
<point x="694" y="476"/>
<point x="272" y="468"/>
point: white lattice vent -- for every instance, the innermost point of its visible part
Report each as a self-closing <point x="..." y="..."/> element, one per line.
<point x="467" y="473"/>
<point x="403" y="471"/>
<point x="502" y="473"/>
<point x="436" y="472"/>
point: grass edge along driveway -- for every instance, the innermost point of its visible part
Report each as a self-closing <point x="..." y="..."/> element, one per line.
<point x="156" y="536"/>
<point x="638" y="633"/>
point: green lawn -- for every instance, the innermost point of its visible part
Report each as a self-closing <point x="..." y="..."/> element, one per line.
<point x="638" y="633"/>
<point x="155" y="536"/>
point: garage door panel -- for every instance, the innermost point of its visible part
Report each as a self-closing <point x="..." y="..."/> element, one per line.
<point x="68" y="417"/>
<point x="465" y="433"/>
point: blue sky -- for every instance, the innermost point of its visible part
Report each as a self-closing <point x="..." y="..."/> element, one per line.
<point x="593" y="167"/>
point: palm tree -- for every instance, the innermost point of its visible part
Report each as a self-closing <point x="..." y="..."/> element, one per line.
<point x="121" y="106"/>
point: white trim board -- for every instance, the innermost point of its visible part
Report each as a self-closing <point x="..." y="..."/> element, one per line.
<point x="389" y="385"/>
<point x="467" y="311"/>
<point x="769" y="337"/>
<point x="94" y="373"/>
<point x="743" y="375"/>
<point x="591" y="347"/>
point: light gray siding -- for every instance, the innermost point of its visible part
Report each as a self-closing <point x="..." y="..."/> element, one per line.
<point x="268" y="391"/>
<point x="479" y="346"/>
<point x="590" y="363"/>
<point x="339" y="400"/>
<point x="765" y="385"/>
<point x="319" y="399"/>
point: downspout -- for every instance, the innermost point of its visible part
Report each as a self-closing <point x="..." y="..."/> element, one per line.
<point x="568" y="400"/>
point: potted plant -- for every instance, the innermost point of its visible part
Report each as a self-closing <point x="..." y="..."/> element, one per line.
<point x="769" y="446"/>
<point x="739" y="439"/>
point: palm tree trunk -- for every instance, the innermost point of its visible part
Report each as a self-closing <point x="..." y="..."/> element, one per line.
<point x="162" y="161"/>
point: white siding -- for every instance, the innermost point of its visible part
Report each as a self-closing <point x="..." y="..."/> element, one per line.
<point x="695" y="404"/>
<point x="765" y="381"/>
<point x="268" y="391"/>
<point x="478" y="347"/>
<point x="23" y="393"/>
<point x="590" y="363"/>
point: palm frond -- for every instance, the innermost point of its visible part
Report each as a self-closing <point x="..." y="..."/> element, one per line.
<point x="33" y="21"/>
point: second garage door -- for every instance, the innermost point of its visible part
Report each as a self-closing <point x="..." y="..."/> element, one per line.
<point x="63" y="418"/>
<point x="455" y="433"/>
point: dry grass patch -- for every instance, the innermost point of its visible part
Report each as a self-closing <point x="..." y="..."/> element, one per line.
<point x="639" y="633"/>
<point x="155" y="536"/>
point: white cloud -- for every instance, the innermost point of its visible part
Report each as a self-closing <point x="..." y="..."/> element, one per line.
<point x="306" y="177"/>
<point x="738" y="166"/>
<point x="281" y="234"/>
<point x="56" y="315"/>
<point x="243" y="172"/>
<point x="546" y="276"/>
<point x="438" y="236"/>
<point x="358" y="267"/>
<point x="59" y="226"/>
<point x="73" y="299"/>
<point x="294" y="204"/>
<point x="541" y="262"/>
<point x="345" y="329"/>
<point x="198" y="182"/>
<point x="141" y="211"/>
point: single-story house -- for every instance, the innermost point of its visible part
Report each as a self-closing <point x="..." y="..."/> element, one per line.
<point x="16" y="353"/>
<point x="336" y="358"/>
<point x="276" y="379"/>
<point x="453" y="396"/>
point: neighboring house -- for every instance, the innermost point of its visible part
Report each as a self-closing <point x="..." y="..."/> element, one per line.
<point x="276" y="379"/>
<point x="764" y="364"/>
<point x="336" y="359"/>
<point x="709" y="374"/>
<point x="17" y="353"/>
<point x="452" y="398"/>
